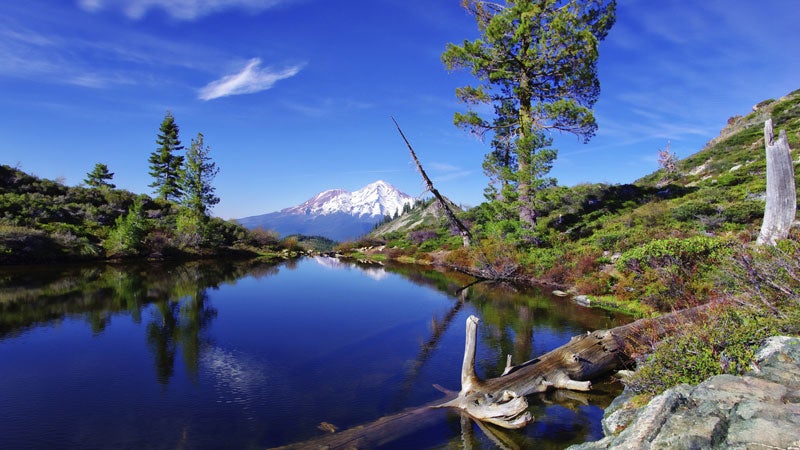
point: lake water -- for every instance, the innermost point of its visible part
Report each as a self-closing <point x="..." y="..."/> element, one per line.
<point x="253" y="355"/>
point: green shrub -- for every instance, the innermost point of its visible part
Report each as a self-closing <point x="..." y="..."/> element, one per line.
<point x="127" y="236"/>
<point x="691" y="210"/>
<point x="665" y="252"/>
<point x="744" y="212"/>
<point x="189" y="229"/>
<point x="726" y="345"/>
<point x="669" y="274"/>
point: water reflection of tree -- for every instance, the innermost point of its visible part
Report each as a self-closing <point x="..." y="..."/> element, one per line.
<point x="161" y="333"/>
<point x="176" y="296"/>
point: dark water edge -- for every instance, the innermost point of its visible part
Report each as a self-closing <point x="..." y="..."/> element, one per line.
<point x="250" y="355"/>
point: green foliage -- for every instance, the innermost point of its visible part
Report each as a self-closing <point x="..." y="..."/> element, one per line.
<point x="672" y="273"/>
<point x="45" y="221"/>
<point x="197" y="176"/>
<point x="316" y="243"/>
<point x="166" y="166"/>
<point x="189" y="228"/>
<point x="127" y="237"/>
<point x="99" y="177"/>
<point x="536" y="62"/>
<point x="726" y="345"/>
<point x="665" y="252"/>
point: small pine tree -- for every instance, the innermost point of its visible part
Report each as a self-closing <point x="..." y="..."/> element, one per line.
<point x="197" y="177"/>
<point x="99" y="177"/>
<point x="127" y="236"/>
<point x="166" y="166"/>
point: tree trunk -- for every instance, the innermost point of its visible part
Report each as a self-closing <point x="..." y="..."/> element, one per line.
<point x="466" y="236"/>
<point x="781" y="207"/>
<point x="501" y="400"/>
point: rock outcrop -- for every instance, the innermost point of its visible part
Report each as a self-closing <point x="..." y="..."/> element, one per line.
<point x="756" y="411"/>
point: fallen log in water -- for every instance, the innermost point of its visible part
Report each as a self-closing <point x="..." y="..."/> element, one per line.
<point x="501" y="400"/>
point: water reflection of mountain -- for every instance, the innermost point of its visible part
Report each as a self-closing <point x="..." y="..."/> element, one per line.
<point x="374" y="271"/>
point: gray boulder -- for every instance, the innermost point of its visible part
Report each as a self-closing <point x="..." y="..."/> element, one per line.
<point x="758" y="410"/>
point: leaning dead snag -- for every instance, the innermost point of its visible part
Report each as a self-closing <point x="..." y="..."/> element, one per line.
<point x="781" y="207"/>
<point x="466" y="236"/>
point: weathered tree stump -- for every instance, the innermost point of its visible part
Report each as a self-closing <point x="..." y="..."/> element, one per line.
<point x="781" y="207"/>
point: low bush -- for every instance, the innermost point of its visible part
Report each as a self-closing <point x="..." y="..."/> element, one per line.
<point x="127" y="236"/>
<point x="669" y="274"/>
<point x="688" y="252"/>
<point x="706" y="349"/>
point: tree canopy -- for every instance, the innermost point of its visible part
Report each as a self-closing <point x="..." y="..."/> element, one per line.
<point x="536" y="64"/>
<point x="165" y="164"/>
<point x="99" y="177"/>
<point x="197" y="176"/>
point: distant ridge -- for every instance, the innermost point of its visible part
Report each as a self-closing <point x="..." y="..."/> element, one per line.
<point x="335" y="213"/>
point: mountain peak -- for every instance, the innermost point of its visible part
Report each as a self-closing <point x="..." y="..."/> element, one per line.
<point x="367" y="206"/>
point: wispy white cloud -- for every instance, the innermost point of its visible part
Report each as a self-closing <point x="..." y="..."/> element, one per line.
<point x="327" y="106"/>
<point x="249" y="80"/>
<point x="453" y="176"/>
<point x="178" y="9"/>
<point x="443" y="167"/>
<point x="447" y="172"/>
<point x="47" y="50"/>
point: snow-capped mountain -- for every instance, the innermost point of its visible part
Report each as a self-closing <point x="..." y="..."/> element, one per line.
<point x="375" y="199"/>
<point x="336" y="214"/>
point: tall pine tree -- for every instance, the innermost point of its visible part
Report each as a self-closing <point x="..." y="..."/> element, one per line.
<point x="166" y="166"/>
<point x="198" y="174"/>
<point x="536" y="61"/>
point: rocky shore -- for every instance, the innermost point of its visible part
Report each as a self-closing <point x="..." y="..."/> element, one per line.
<point x="760" y="410"/>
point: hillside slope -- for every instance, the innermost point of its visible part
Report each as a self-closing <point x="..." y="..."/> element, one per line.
<point x="44" y="221"/>
<point x="720" y="189"/>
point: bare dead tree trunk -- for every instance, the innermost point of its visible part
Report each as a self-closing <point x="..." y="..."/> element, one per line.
<point x="466" y="236"/>
<point x="781" y="207"/>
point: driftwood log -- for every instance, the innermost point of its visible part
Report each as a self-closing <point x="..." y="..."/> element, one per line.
<point x="781" y="207"/>
<point x="501" y="400"/>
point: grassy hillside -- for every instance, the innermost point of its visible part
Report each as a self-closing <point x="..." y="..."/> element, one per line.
<point x="718" y="190"/>
<point x="45" y="221"/>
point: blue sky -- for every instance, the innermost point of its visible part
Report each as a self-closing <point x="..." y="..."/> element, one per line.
<point x="295" y="96"/>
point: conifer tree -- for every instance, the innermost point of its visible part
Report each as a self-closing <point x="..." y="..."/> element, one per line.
<point x="536" y="61"/>
<point x="99" y="177"/>
<point x="166" y="166"/>
<point x="198" y="174"/>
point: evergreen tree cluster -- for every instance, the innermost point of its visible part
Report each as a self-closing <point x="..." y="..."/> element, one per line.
<point x="183" y="178"/>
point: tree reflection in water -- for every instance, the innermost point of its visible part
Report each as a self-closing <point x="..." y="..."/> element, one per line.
<point x="175" y="296"/>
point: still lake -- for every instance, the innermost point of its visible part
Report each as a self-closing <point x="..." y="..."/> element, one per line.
<point x="253" y="355"/>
